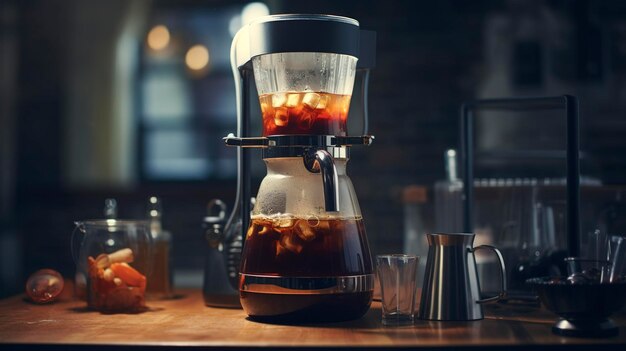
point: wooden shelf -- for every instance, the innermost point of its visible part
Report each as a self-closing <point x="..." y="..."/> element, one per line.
<point x="186" y="322"/>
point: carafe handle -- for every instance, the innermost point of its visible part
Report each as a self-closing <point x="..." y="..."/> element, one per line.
<point x="502" y="293"/>
<point x="320" y="161"/>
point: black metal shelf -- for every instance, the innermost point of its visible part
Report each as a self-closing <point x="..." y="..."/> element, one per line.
<point x="567" y="103"/>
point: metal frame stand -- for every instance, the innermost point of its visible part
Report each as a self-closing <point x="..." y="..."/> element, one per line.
<point x="566" y="102"/>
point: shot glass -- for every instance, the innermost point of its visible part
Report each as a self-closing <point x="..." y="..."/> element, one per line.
<point x="397" y="275"/>
<point x="617" y="272"/>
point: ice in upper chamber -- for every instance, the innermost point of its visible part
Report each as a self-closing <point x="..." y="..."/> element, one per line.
<point x="322" y="103"/>
<point x="281" y="117"/>
<point x="279" y="99"/>
<point x="292" y="100"/>
<point x="311" y="99"/>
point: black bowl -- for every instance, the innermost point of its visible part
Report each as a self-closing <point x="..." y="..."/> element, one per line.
<point x="584" y="308"/>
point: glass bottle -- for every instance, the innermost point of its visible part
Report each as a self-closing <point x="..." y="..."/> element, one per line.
<point x="161" y="278"/>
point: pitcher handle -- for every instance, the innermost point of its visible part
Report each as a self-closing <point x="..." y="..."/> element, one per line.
<point x="321" y="161"/>
<point x="502" y="293"/>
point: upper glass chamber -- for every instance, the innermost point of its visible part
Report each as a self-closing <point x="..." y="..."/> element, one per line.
<point x="304" y="92"/>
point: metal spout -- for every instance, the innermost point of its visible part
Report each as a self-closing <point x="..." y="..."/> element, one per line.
<point x="320" y="161"/>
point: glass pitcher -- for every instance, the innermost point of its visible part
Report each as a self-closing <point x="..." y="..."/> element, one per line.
<point x="112" y="263"/>
<point x="301" y="262"/>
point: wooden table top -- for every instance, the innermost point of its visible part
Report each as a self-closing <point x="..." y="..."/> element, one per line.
<point x="187" y="322"/>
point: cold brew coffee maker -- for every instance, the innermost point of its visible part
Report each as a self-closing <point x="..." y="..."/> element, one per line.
<point x="305" y="254"/>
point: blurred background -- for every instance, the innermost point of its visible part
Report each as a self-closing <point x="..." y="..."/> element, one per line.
<point x="130" y="99"/>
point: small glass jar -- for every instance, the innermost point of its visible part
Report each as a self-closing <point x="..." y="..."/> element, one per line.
<point x="113" y="257"/>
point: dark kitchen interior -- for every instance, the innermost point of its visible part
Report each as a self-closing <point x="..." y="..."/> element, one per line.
<point x="90" y="111"/>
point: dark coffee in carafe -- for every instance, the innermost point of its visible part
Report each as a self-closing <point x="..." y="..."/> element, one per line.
<point x="307" y="254"/>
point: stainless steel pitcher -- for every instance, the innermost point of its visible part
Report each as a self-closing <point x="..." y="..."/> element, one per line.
<point x="451" y="290"/>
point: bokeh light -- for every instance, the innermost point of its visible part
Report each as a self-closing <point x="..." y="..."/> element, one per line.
<point x="158" y="37"/>
<point x="197" y="57"/>
<point x="253" y="11"/>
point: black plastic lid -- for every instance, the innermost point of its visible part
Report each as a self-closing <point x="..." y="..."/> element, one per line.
<point x="304" y="33"/>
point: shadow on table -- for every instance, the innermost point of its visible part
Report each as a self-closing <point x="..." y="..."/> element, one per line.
<point x="148" y="309"/>
<point x="85" y="309"/>
<point x="371" y="320"/>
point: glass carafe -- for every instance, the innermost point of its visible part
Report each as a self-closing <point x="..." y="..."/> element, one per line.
<point x="301" y="262"/>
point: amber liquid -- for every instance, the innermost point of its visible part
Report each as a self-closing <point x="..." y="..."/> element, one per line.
<point x="160" y="283"/>
<point x="315" y="113"/>
<point x="306" y="247"/>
